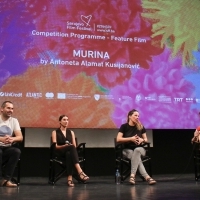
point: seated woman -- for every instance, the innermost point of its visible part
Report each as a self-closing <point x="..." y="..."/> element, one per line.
<point x="133" y="134"/>
<point x="196" y="137"/>
<point x="66" y="147"/>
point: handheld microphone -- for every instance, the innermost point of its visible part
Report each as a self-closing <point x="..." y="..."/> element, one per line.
<point x="67" y="142"/>
<point x="198" y="128"/>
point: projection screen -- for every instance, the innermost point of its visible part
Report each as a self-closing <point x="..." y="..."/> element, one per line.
<point x="95" y="60"/>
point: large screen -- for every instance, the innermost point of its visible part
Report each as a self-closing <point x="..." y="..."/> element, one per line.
<point x="95" y="60"/>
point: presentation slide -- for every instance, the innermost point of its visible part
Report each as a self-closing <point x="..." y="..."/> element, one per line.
<point x="95" y="60"/>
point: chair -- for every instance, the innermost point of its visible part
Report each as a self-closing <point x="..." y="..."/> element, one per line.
<point x="124" y="164"/>
<point x="196" y="156"/>
<point x="58" y="162"/>
<point x="16" y="176"/>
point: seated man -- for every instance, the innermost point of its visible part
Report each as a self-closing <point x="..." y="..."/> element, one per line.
<point x="10" y="133"/>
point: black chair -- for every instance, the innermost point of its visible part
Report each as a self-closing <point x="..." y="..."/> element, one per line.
<point x="196" y="156"/>
<point x="124" y="164"/>
<point x="57" y="165"/>
<point x="16" y="176"/>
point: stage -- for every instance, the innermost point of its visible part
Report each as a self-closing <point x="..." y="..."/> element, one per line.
<point x="167" y="187"/>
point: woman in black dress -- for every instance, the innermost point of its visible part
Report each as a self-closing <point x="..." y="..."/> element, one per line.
<point x="66" y="147"/>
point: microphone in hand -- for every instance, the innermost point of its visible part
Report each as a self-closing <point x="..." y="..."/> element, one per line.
<point x="67" y="142"/>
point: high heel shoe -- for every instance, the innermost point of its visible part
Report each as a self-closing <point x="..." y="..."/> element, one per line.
<point x="70" y="183"/>
<point x="83" y="177"/>
<point x="150" y="181"/>
<point x="132" y="180"/>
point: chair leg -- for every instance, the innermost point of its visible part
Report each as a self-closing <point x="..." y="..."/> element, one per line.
<point x="53" y="177"/>
<point x="50" y="172"/>
<point x="16" y="180"/>
<point x="196" y="168"/>
<point x="18" y="172"/>
<point x="59" y="175"/>
<point x="150" y="171"/>
<point x="53" y="172"/>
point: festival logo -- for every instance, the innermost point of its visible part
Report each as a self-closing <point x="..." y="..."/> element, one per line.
<point x="86" y="19"/>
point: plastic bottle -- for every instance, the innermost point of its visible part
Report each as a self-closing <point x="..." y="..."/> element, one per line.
<point x="117" y="177"/>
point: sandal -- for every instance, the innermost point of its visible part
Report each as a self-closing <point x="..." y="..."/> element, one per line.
<point x="70" y="183"/>
<point x="83" y="177"/>
<point x="8" y="183"/>
<point x="132" y="180"/>
<point x="151" y="181"/>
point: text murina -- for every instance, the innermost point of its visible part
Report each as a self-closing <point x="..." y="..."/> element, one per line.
<point x="90" y="54"/>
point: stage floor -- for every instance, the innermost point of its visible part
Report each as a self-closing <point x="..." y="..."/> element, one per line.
<point x="168" y="187"/>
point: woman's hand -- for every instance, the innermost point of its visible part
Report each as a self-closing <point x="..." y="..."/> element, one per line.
<point x="137" y="140"/>
<point x="196" y="137"/>
<point x="196" y="133"/>
<point x="141" y="140"/>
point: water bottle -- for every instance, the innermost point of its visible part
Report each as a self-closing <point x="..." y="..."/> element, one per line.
<point x="117" y="177"/>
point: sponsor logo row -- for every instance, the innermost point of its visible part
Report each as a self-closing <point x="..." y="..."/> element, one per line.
<point x="51" y="95"/>
<point x="97" y="97"/>
<point x="167" y="99"/>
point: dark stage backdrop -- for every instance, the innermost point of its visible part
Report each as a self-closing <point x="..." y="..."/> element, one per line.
<point x="171" y="154"/>
<point x="96" y="60"/>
